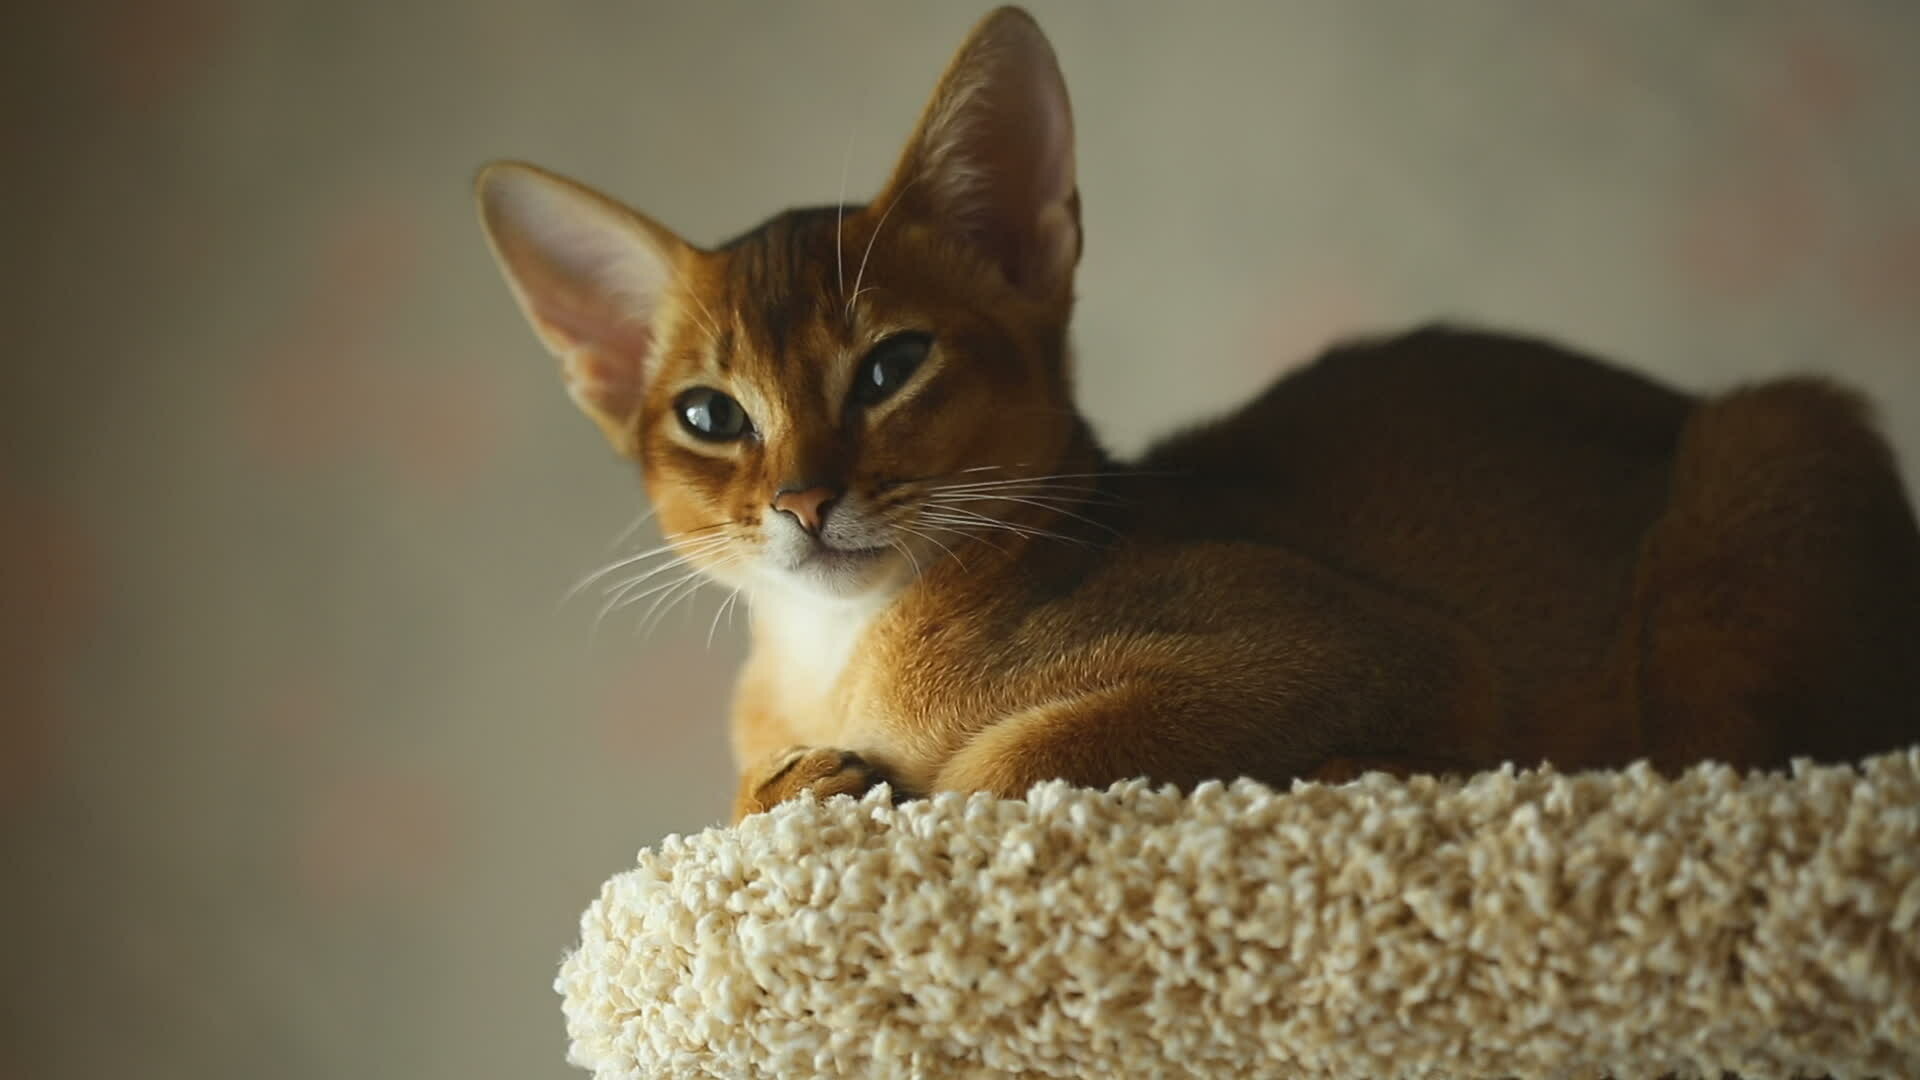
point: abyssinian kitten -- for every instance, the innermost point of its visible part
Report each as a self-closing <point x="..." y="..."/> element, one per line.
<point x="1439" y="551"/>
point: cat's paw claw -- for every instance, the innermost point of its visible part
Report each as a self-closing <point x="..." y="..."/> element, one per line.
<point x="821" y="770"/>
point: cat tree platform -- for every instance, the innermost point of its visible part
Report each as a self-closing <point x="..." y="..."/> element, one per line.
<point x="1520" y="925"/>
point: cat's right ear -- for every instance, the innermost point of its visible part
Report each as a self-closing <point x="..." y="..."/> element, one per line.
<point x="992" y="158"/>
<point x="591" y="276"/>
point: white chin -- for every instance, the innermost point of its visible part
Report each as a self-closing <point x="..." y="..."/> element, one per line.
<point x="846" y="574"/>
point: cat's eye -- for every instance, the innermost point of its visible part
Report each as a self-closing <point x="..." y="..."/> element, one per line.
<point x="710" y="414"/>
<point x="889" y="365"/>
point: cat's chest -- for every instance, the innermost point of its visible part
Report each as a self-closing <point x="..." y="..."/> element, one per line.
<point x="801" y="660"/>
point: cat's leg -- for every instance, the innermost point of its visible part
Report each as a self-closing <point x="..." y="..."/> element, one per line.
<point x="774" y="766"/>
<point x="801" y="769"/>
<point x="1777" y="602"/>
<point x="1385" y="687"/>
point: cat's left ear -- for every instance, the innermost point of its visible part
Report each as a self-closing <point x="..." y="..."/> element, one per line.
<point x="992" y="158"/>
<point x="592" y="277"/>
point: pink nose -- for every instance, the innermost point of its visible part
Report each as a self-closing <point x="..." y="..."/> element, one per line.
<point x="808" y="507"/>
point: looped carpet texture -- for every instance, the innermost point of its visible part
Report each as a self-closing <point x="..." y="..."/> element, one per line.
<point x="1514" y="924"/>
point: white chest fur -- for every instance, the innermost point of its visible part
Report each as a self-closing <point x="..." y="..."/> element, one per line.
<point x="801" y="650"/>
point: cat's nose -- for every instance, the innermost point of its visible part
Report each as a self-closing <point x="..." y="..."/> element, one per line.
<point x="808" y="507"/>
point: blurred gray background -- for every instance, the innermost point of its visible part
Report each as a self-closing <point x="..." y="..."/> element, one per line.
<point x="303" y="771"/>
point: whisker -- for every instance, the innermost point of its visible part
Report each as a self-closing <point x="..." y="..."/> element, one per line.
<point x="1018" y="481"/>
<point x="628" y="560"/>
<point x="685" y="547"/>
<point x="619" y="589"/>
<point x="903" y="549"/>
<point x="632" y="527"/>
<point x="986" y="521"/>
<point x="693" y="585"/>
<point x="1046" y="486"/>
<point x="661" y="595"/>
<point x="633" y="594"/>
<point x="965" y="533"/>
<point x="1116" y="475"/>
<point x="720" y="609"/>
<point x="1026" y="501"/>
<point x="931" y="540"/>
<point x="621" y="594"/>
<point x="712" y="324"/>
<point x="875" y="235"/>
<point x="840" y="212"/>
<point x="616" y="600"/>
<point x="580" y="586"/>
<point x="1065" y="492"/>
<point x="1039" y="499"/>
<point x="669" y="538"/>
<point x="627" y="595"/>
<point x="676" y="547"/>
<point x="625" y="588"/>
<point x="991" y="526"/>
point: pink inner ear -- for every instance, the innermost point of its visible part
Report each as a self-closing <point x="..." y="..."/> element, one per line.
<point x="611" y="380"/>
<point x="601" y="327"/>
<point x="609" y="371"/>
<point x="606" y="352"/>
<point x="999" y="161"/>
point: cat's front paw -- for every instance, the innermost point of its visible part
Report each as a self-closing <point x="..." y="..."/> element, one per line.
<point x="820" y="770"/>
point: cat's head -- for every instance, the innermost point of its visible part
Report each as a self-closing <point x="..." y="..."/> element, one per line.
<point x="821" y="402"/>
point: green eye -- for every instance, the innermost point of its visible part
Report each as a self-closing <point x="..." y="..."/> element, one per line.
<point x="710" y="414"/>
<point x="888" y="367"/>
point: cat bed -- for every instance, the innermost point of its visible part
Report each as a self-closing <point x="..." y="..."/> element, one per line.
<point x="1522" y="924"/>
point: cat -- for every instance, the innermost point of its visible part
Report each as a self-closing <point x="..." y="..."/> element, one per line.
<point x="1437" y="551"/>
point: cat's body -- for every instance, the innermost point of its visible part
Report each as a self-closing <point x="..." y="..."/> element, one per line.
<point x="1442" y="551"/>
<point x="1436" y="551"/>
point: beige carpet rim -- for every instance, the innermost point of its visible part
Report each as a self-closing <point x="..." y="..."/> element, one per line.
<point x="1516" y="923"/>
